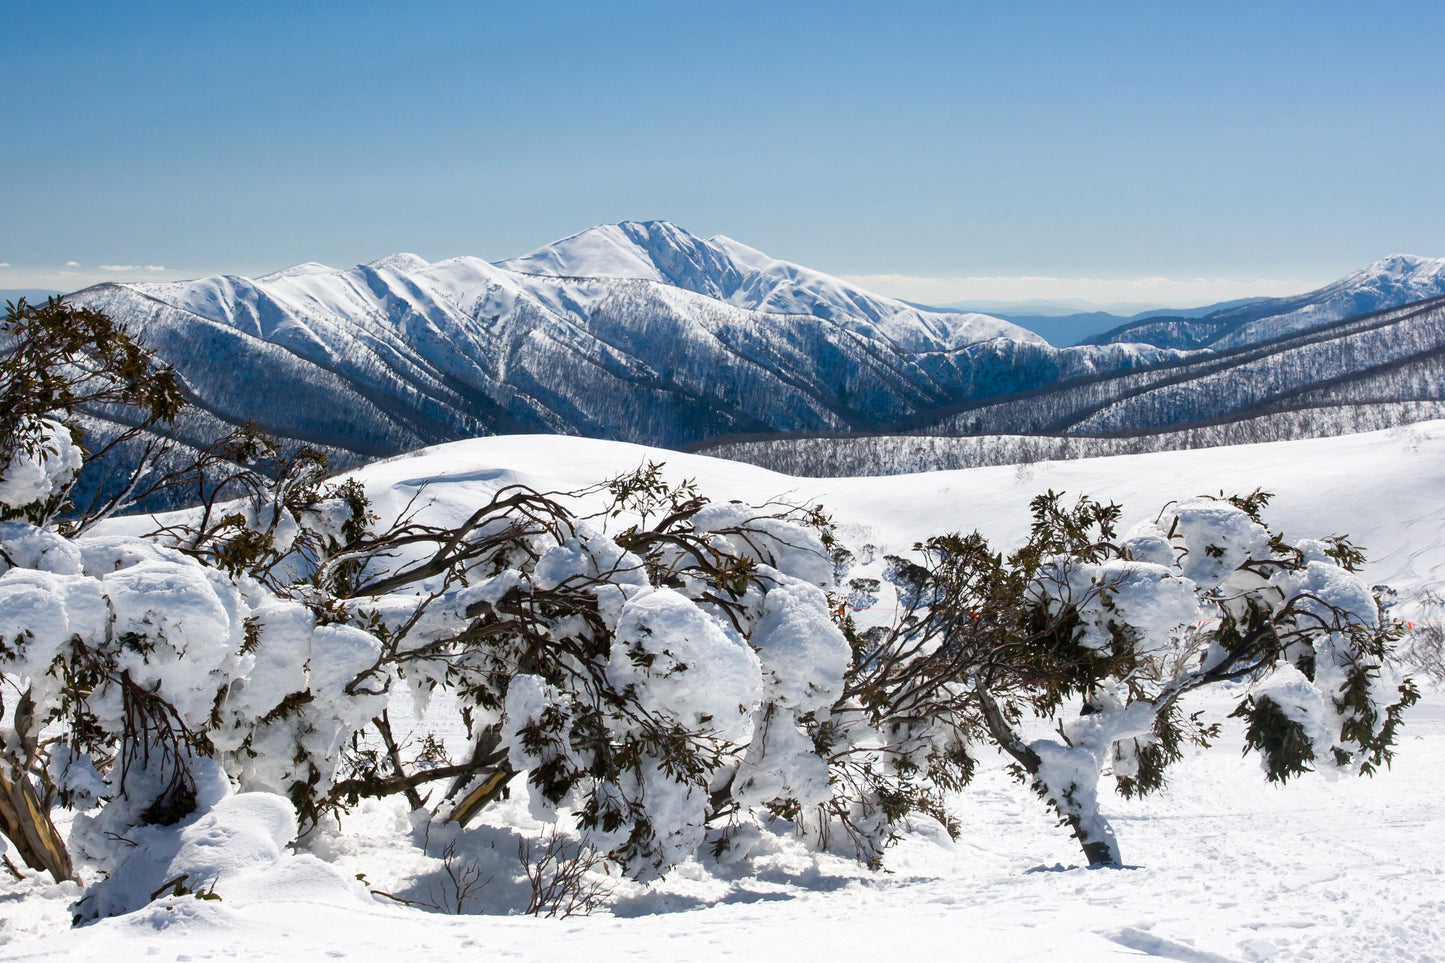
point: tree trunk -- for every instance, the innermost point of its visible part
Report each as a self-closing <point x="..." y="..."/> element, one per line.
<point x="1089" y="827"/>
<point x="1081" y="815"/>
<point x="27" y="825"/>
<point x="489" y="758"/>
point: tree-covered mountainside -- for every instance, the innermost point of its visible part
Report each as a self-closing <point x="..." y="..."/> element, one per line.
<point x="635" y="332"/>
<point x="1372" y="371"/>
<point x="1389" y="282"/>
<point x="642" y="332"/>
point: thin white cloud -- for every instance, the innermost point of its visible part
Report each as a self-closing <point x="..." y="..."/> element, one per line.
<point x="74" y="276"/>
<point x="4" y="263"/>
<point x="1180" y="292"/>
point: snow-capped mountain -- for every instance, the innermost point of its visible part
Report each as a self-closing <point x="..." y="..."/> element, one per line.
<point x="638" y="332"/>
<point x="1388" y="283"/>
<point x="643" y="332"/>
<point x="1383" y="359"/>
<point x="727" y="270"/>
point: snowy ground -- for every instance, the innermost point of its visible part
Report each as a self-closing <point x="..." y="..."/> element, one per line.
<point x="1224" y="866"/>
<point x="1381" y="488"/>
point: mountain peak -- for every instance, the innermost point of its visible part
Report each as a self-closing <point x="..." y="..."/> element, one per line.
<point x="401" y="262"/>
<point x="653" y="227"/>
<point x="605" y="251"/>
<point x="299" y="270"/>
<point x="725" y="270"/>
<point x="1404" y="266"/>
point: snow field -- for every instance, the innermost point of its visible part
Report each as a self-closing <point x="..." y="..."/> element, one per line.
<point x="1225" y="866"/>
<point x="1377" y="487"/>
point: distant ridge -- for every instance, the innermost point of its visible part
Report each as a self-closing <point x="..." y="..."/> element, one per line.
<point x="635" y="331"/>
<point x="1381" y="369"/>
<point x="1389" y="282"/>
<point x="1071" y="328"/>
<point x="32" y="295"/>
<point x="643" y="332"/>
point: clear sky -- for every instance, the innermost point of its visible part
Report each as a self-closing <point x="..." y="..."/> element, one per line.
<point x="1262" y="146"/>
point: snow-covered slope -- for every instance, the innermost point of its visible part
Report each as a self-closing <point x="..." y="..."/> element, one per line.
<point x="1395" y="280"/>
<point x="727" y="270"/>
<point x="704" y="338"/>
<point x="1389" y="282"/>
<point x="1379" y="487"/>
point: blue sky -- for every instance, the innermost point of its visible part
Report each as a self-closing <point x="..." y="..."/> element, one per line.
<point x="911" y="144"/>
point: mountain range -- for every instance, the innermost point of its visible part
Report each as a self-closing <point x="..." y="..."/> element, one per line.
<point x="1389" y="282"/>
<point x="635" y="332"/>
<point x="641" y="332"/>
<point x="1069" y="325"/>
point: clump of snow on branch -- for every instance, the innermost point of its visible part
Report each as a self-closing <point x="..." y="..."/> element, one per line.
<point x="44" y="462"/>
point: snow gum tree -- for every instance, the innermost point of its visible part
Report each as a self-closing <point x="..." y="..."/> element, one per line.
<point x="125" y="662"/>
<point x="645" y="679"/>
<point x="52" y="360"/>
<point x="1098" y="639"/>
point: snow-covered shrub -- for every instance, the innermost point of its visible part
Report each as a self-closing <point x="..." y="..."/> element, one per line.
<point x="646" y="678"/>
<point x="52" y="360"/>
<point x="42" y="464"/>
<point x="146" y="659"/>
<point x="126" y="661"/>
<point x="1119" y="632"/>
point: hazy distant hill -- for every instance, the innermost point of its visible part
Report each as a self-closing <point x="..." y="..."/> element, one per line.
<point x="1063" y="328"/>
<point x="1389" y="282"/>
<point x="32" y="295"/>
